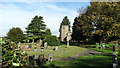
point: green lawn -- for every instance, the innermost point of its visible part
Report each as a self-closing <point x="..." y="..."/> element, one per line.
<point x="62" y="51"/>
<point x="103" y="60"/>
<point x="84" y="62"/>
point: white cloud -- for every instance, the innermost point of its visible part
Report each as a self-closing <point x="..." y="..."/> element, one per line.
<point x="13" y="16"/>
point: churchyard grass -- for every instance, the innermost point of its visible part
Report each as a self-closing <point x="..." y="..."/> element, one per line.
<point x="62" y="51"/>
<point x="84" y="62"/>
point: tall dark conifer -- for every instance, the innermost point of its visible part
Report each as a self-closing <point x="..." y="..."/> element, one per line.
<point x="36" y="28"/>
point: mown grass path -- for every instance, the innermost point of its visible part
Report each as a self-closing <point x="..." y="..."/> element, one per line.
<point x="87" y="52"/>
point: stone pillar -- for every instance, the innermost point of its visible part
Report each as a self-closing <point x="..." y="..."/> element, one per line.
<point x="67" y="44"/>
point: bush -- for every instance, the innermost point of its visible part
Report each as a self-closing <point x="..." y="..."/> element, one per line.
<point x="12" y="55"/>
<point x="52" y="40"/>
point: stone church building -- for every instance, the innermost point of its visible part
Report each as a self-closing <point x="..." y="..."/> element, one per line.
<point x="65" y="33"/>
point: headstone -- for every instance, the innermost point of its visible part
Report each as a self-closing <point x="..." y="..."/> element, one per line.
<point x="19" y="43"/>
<point x="97" y="45"/>
<point x="41" y="57"/>
<point x="56" y="47"/>
<point x="49" y="57"/>
<point x="31" y="60"/>
<point x="40" y="43"/>
<point x="103" y="45"/>
<point x="30" y="45"/>
<point x="26" y="46"/>
<point x="41" y="50"/>
<point x="45" y="45"/>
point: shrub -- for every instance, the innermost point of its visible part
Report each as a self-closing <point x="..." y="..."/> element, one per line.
<point x="52" y="40"/>
<point x="12" y="55"/>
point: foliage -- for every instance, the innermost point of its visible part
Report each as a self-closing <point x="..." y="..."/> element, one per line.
<point x="52" y="40"/>
<point x="46" y="33"/>
<point x="100" y="22"/>
<point x="12" y="55"/>
<point x="66" y="21"/>
<point x="36" y="28"/>
<point x="81" y="29"/>
<point x="15" y="35"/>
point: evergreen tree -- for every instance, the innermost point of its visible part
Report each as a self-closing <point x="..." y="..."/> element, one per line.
<point x="36" y="28"/>
<point x="66" y="21"/>
<point x="46" y="33"/>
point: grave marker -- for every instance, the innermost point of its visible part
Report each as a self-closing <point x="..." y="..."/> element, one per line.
<point x="45" y="45"/>
<point x="31" y="60"/>
<point x="49" y="57"/>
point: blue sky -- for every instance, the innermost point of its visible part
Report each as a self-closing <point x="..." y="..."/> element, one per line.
<point x="20" y="14"/>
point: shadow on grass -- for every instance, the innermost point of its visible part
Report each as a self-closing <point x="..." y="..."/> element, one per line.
<point x="85" y="62"/>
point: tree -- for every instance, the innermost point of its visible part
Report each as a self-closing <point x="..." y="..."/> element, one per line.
<point x="82" y="28"/>
<point x="105" y="17"/>
<point x="52" y="40"/>
<point x="66" y="21"/>
<point x="46" y="33"/>
<point x="15" y="35"/>
<point x="36" y="28"/>
<point x="100" y="22"/>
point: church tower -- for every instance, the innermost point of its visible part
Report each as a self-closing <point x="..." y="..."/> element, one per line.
<point x="64" y="29"/>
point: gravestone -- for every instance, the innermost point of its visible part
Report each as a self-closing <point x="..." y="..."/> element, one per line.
<point x="42" y="50"/>
<point x="19" y="44"/>
<point x="41" y="59"/>
<point x="97" y="45"/>
<point x="49" y="57"/>
<point x="45" y="45"/>
<point x="56" y="47"/>
<point x="31" y="60"/>
<point x="35" y="49"/>
<point x="103" y="45"/>
<point x="30" y="45"/>
<point x="40" y="42"/>
<point x="26" y="46"/>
